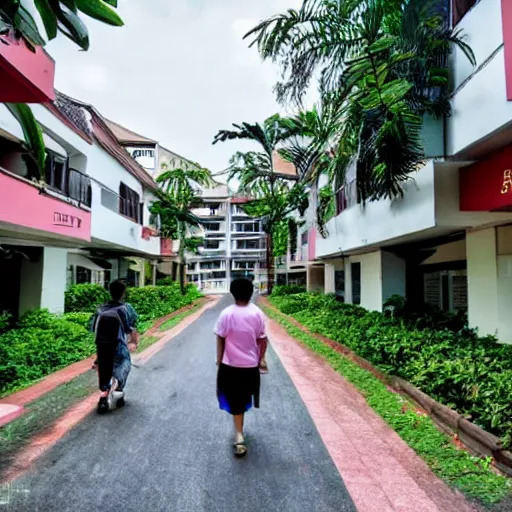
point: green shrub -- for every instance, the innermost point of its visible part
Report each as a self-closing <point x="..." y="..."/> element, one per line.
<point x="85" y="297"/>
<point x="471" y="374"/>
<point x="5" y="321"/>
<point x="287" y="289"/>
<point x="78" y="318"/>
<point x="153" y="302"/>
<point x="29" y="353"/>
<point x="166" y="281"/>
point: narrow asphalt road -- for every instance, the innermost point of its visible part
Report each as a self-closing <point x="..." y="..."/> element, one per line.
<point x="170" y="449"/>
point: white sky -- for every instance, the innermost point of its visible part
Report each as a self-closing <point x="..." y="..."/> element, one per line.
<point x="177" y="72"/>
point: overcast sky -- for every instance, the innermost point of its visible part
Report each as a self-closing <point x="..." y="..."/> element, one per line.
<point x="177" y="72"/>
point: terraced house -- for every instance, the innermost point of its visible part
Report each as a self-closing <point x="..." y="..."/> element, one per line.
<point x="87" y="217"/>
<point x="448" y="241"/>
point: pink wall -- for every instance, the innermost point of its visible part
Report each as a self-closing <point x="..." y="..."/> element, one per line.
<point x="506" y="11"/>
<point x="312" y="244"/>
<point x="22" y="204"/>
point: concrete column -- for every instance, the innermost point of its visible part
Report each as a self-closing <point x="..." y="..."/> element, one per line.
<point x="329" y="278"/>
<point x="483" y="281"/>
<point x="43" y="282"/>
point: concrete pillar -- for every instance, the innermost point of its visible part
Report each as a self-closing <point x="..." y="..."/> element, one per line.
<point x="43" y="282"/>
<point x="483" y="286"/>
<point x="329" y="278"/>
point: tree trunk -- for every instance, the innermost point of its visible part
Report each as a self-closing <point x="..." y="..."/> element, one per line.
<point x="270" y="264"/>
<point x="182" y="263"/>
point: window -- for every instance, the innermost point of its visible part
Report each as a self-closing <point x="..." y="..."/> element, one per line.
<point x="245" y="265"/>
<point x="247" y="244"/>
<point x="83" y="275"/>
<point x="211" y="244"/>
<point x="446" y="290"/>
<point x="211" y="226"/>
<point x="251" y="227"/>
<point x="55" y="171"/>
<point x="79" y="187"/>
<point x="304" y="238"/>
<point x="339" y="283"/>
<point x="129" y="203"/>
<point x="356" y="282"/>
<point x="460" y="8"/>
<point x="341" y="200"/>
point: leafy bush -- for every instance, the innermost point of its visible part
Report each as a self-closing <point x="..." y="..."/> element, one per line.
<point x="166" y="281"/>
<point x="153" y="302"/>
<point x="5" y="321"/>
<point x="85" y="297"/>
<point x="471" y="374"/>
<point x="31" y="351"/>
<point x="288" y="289"/>
<point x="78" y="318"/>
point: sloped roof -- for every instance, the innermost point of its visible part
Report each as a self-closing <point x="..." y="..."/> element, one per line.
<point x="101" y="133"/>
<point x="126" y="136"/>
<point x="283" y="168"/>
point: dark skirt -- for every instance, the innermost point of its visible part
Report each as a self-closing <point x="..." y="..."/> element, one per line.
<point x="238" y="389"/>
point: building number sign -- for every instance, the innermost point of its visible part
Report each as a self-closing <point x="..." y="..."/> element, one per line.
<point x="507" y="182"/>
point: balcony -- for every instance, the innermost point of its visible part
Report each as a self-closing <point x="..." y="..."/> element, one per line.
<point x="168" y="247"/>
<point x="26" y="76"/>
<point x="23" y="204"/>
<point x="210" y="211"/>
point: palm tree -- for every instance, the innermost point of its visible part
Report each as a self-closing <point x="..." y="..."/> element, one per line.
<point x="180" y="189"/>
<point x="62" y="16"/>
<point x="383" y="64"/>
<point x="273" y="196"/>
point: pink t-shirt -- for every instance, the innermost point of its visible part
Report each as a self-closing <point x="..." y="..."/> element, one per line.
<point x="242" y="326"/>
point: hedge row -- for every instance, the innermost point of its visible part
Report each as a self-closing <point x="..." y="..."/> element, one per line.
<point x="471" y="374"/>
<point x="41" y="343"/>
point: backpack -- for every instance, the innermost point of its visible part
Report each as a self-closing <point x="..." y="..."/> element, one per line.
<point x="108" y="325"/>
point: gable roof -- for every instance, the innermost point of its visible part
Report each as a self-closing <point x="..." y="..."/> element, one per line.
<point x="76" y="112"/>
<point x="283" y="168"/>
<point x="126" y="136"/>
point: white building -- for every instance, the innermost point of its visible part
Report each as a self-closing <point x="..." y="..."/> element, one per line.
<point x="448" y="241"/>
<point x="85" y="223"/>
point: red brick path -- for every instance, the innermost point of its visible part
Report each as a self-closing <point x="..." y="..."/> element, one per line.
<point x="381" y="473"/>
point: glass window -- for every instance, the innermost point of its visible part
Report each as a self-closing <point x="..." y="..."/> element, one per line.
<point x="356" y="282"/>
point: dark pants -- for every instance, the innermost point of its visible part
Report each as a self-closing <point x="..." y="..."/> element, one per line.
<point x="106" y="354"/>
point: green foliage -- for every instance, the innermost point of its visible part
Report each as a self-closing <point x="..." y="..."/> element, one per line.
<point x="280" y="238"/>
<point x="166" y="281"/>
<point x="80" y="318"/>
<point x="326" y="209"/>
<point x="382" y="65"/>
<point x="472" y="375"/>
<point x="41" y="344"/>
<point x="288" y="289"/>
<point x="457" y="467"/>
<point x="152" y="302"/>
<point x="5" y="321"/>
<point x="57" y="16"/>
<point x="85" y="297"/>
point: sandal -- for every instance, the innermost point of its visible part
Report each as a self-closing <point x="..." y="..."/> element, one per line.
<point x="240" y="449"/>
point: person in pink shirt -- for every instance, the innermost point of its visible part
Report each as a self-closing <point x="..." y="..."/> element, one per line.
<point x="241" y="347"/>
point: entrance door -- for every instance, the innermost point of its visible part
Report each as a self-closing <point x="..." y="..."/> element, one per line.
<point x="10" y="275"/>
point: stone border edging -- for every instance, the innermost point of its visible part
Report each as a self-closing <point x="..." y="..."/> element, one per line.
<point x="474" y="438"/>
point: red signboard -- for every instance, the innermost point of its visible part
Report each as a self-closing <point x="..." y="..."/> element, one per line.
<point x="22" y="204"/>
<point x="487" y="185"/>
<point x="506" y="16"/>
<point x="26" y="75"/>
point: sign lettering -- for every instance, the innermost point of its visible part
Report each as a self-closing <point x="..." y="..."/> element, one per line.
<point x="69" y="221"/>
<point x="507" y="182"/>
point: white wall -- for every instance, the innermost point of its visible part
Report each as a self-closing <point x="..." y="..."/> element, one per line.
<point x="383" y="220"/>
<point x="43" y="283"/>
<point x="482" y="280"/>
<point x="329" y="277"/>
<point x="480" y="106"/>
<point x="371" y="279"/>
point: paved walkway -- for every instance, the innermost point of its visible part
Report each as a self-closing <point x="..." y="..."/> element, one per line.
<point x="169" y="449"/>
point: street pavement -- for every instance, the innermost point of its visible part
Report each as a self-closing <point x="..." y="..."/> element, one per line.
<point x="170" y="448"/>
